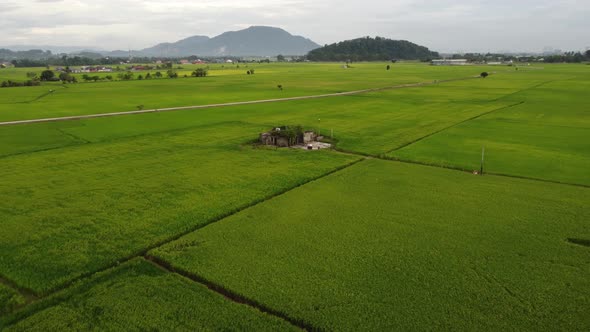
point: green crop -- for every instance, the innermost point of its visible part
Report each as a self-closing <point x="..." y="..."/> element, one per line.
<point x="139" y="296"/>
<point x="391" y="246"/>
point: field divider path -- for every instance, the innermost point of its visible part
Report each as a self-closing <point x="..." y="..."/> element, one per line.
<point x="453" y="125"/>
<point x="228" y="294"/>
<point x="239" y="103"/>
<point x="27" y="294"/>
<point x="34" y="298"/>
<point x="455" y="168"/>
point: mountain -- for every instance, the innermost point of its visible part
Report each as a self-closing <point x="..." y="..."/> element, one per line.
<point x="253" y="41"/>
<point x="180" y="48"/>
<point x="53" y="48"/>
<point x="259" y="41"/>
<point x="371" y="49"/>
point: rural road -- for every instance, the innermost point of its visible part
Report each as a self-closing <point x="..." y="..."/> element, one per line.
<point x="337" y="94"/>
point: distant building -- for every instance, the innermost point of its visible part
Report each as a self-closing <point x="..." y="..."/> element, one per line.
<point x="287" y="136"/>
<point x="309" y="136"/>
<point x="498" y="63"/>
<point x="449" y="62"/>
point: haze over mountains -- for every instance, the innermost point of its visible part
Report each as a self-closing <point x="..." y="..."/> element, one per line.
<point x="253" y="41"/>
<point x="257" y="41"/>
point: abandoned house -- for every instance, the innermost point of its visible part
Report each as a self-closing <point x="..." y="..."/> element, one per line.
<point x="287" y="136"/>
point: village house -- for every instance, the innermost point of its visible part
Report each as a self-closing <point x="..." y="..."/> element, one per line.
<point x="90" y="69"/>
<point x="289" y="136"/>
<point x="449" y="62"/>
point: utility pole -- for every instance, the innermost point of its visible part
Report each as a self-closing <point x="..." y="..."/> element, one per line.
<point x="483" y="152"/>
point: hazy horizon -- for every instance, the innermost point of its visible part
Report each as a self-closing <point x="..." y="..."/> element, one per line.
<point x="444" y="26"/>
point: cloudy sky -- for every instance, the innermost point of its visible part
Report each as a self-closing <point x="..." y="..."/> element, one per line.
<point x="442" y="25"/>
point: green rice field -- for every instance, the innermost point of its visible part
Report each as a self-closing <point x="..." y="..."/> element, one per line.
<point x="179" y="220"/>
<point x="405" y="240"/>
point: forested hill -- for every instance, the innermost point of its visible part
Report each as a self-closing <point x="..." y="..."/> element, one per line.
<point x="371" y="49"/>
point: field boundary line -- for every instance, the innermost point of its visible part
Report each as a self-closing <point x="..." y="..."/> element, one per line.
<point x="228" y="294"/>
<point x="458" y="168"/>
<point x="39" y="296"/>
<point x="28" y="295"/>
<point x="239" y="103"/>
<point x="525" y="89"/>
<point x="453" y="125"/>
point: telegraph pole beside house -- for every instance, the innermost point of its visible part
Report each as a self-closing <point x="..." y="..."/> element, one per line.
<point x="483" y="151"/>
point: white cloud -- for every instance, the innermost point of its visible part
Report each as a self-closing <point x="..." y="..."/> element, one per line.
<point x="441" y="25"/>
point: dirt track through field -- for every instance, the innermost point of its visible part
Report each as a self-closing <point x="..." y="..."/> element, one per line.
<point x="169" y="109"/>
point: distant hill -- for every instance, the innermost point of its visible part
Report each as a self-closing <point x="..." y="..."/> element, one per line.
<point x="253" y="41"/>
<point x="180" y="48"/>
<point x="371" y="49"/>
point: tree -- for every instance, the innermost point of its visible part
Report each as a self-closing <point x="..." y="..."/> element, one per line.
<point x="158" y="74"/>
<point x="148" y="76"/>
<point x="171" y="73"/>
<point x="200" y="72"/>
<point x="280" y="86"/>
<point x="65" y="77"/>
<point x="125" y="76"/>
<point x="388" y="67"/>
<point x="140" y="77"/>
<point x="280" y="58"/>
<point x="484" y="74"/>
<point x="588" y="54"/>
<point x="47" y="75"/>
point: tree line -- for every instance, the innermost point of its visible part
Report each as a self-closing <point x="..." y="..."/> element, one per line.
<point x="67" y="77"/>
<point x="567" y="57"/>
<point x="371" y="49"/>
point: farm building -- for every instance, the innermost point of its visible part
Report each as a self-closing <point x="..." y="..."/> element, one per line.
<point x="449" y="62"/>
<point x="287" y="136"/>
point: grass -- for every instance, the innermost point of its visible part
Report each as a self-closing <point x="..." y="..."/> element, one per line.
<point x="76" y="210"/>
<point x="222" y="86"/>
<point x="370" y="123"/>
<point x="384" y="245"/>
<point x="9" y="299"/>
<point x="380" y="245"/>
<point x="545" y="137"/>
<point x="123" y="299"/>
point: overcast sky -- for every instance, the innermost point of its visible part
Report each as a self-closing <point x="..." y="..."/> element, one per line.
<point x="441" y="25"/>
